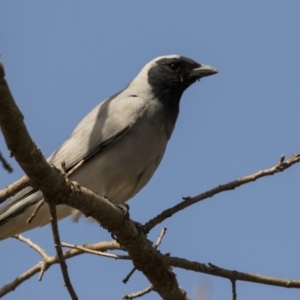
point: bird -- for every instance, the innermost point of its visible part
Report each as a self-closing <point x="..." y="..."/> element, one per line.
<point x="117" y="147"/>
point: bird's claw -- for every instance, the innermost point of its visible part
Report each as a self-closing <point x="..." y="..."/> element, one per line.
<point x="124" y="207"/>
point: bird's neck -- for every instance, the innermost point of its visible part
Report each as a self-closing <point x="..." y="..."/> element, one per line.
<point x="170" y="103"/>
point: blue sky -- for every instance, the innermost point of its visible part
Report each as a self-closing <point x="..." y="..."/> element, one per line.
<point x="64" y="57"/>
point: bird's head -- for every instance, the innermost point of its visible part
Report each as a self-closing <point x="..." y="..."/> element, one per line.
<point x="165" y="78"/>
<point x="175" y="73"/>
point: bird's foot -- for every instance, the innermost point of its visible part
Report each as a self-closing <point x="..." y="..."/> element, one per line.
<point x="140" y="228"/>
<point x="124" y="207"/>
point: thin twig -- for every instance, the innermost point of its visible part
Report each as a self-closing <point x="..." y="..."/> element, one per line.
<point x="14" y="188"/>
<point x="125" y="280"/>
<point x="188" y="201"/>
<point x="45" y="264"/>
<point x="5" y="164"/>
<point x="233" y="287"/>
<point x="37" y="248"/>
<point x="62" y="262"/>
<point x="87" y="250"/>
<point x="138" y="294"/>
<point x="34" y="246"/>
<point x="75" y="168"/>
<point x="37" y="208"/>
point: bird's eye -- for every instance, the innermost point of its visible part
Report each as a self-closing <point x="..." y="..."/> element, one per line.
<point x="173" y="66"/>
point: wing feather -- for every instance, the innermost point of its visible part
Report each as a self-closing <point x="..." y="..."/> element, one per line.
<point x="106" y="123"/>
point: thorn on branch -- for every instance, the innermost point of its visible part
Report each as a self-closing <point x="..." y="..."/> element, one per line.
<point x="160" y="237"/>
<point x="63" y="166"/>
<point x="42" y="272"/>
<point x="281" y="160"/>
<point x="213" y="266"/>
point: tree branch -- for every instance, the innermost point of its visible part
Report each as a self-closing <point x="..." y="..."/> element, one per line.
<point x="5" y="164"/>
<point x="156" y="245"/>
<point x="90" y="251"/>
<point x="14" y="188"/>
<point x="233" y="288"/>
<point x="230" y="274"/>
<point x="188" y="201"/>
<point x="61" y="259"/>
<point x="138" y="294"/>
<point x="32" y="245"/>
<point x="49" y="261"/>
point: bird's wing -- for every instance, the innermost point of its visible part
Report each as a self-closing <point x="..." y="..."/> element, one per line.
<point x="5" y="209"/>
<point x="105" y="124"/>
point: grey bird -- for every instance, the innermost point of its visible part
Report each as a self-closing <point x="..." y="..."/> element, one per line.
<point x="119" y="144"/>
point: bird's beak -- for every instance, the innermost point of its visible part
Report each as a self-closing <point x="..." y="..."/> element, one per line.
<point x="203" y="71"/>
